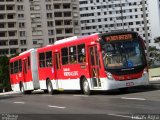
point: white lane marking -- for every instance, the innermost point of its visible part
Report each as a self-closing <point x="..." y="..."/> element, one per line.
<point x="132" y="98"/>
<point x="19" y="102"/>
<point x="80" y="95"/>
<point x="120" y="115"/>
<point x="56" y="107"/>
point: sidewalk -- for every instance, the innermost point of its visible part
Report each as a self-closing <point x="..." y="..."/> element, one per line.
<point x="15" y="93"/>
<point x="9" y="93"/>
<point x="155" y="82"/>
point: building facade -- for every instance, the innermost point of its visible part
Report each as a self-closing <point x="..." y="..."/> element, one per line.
<point x="110" y="15"/>
<point x="154" y="8"/>
<point x="26" y="24"/>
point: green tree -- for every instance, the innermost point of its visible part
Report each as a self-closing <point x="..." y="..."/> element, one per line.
<point x="4" y="72"/>
<point x="154" y="56"/>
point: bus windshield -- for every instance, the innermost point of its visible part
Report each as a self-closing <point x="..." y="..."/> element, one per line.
<point x="122" y="54"/>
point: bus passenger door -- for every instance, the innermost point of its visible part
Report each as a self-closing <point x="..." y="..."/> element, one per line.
<point x="94" y="65"/>
<point x="57" y="72"/>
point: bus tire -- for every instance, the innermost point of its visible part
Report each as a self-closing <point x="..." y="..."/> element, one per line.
<point x="45" y="91"/>
<point x="85" y="87"/>
<point x="22" y="88"/>
<point x="28" y="92"/>
<point x="123" y="90"/>
<point x="49" y="87"/>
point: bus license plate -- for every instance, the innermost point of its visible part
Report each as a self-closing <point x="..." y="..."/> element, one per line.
<point x="129" y="84"/>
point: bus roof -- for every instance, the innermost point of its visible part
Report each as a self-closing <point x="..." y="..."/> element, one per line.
<point x="22" y="54"/>
<point x="27" y="51"/>
<point x="66" y="40"/>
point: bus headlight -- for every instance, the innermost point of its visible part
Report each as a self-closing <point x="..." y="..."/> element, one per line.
<point x="109" y="76"/>
<point x="145" y="71"/>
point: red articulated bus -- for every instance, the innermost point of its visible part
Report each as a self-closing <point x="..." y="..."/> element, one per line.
<point x="114" y="60"/>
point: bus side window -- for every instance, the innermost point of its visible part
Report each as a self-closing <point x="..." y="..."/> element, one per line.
<point x="42" y="60"/>
<point x="15" y="67"/>
<point x="20" y="65"/>
<point x="64" y="53"/>
<point x="57" y="58"/>
<point x="49" y="59"/>
<point x="72" y="55"/>
<point x="92" y="60"/>
<point x="81" y="53"/>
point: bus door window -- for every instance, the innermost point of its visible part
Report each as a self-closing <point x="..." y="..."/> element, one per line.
<point x="97" y="57"/>
<point x="57" y="67"/>
<point x="57" y="62"/>
<point x="94" y="60"/>
<point x="94" y="56"/>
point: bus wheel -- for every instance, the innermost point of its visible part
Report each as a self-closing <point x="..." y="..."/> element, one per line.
<point x="22" y="88"/>
<point x="28" y="92"/>
<point x="45" y="91"/>
<point x="85" y="87"/>
<point x="123" y="90"/>
<point x="50" y="88"/>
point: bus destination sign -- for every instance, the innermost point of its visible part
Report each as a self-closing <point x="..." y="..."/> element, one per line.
<point x="119" y="37"/>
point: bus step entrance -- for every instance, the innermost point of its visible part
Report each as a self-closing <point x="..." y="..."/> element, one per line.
<point x="96" y="82"/>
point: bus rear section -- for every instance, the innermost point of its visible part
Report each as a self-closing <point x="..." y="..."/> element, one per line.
<point x="124" y="61"/>
<point x="24" y="72"/>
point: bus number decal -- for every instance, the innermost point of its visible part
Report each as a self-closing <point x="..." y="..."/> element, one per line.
<point x="67" y="72"/>
<point x="74" y="73"/>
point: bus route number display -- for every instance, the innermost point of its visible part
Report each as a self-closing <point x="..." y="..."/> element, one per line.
<point x="119" y="37"/>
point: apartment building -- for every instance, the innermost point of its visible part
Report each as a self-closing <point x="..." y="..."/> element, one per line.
<point x="110" y="15"/>
<point x="26" y="24"/>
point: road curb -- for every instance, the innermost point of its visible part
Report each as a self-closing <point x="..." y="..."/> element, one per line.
<point x="154" y="83"/>
<point x="149" y="86"/>
<point x="156" y="86"/>
<point x="9" y="93"/>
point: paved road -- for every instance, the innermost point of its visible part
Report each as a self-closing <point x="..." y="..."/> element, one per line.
<point x="135" y="104"/>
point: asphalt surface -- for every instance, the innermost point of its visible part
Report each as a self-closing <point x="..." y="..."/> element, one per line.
<point x="137" y="103"/>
